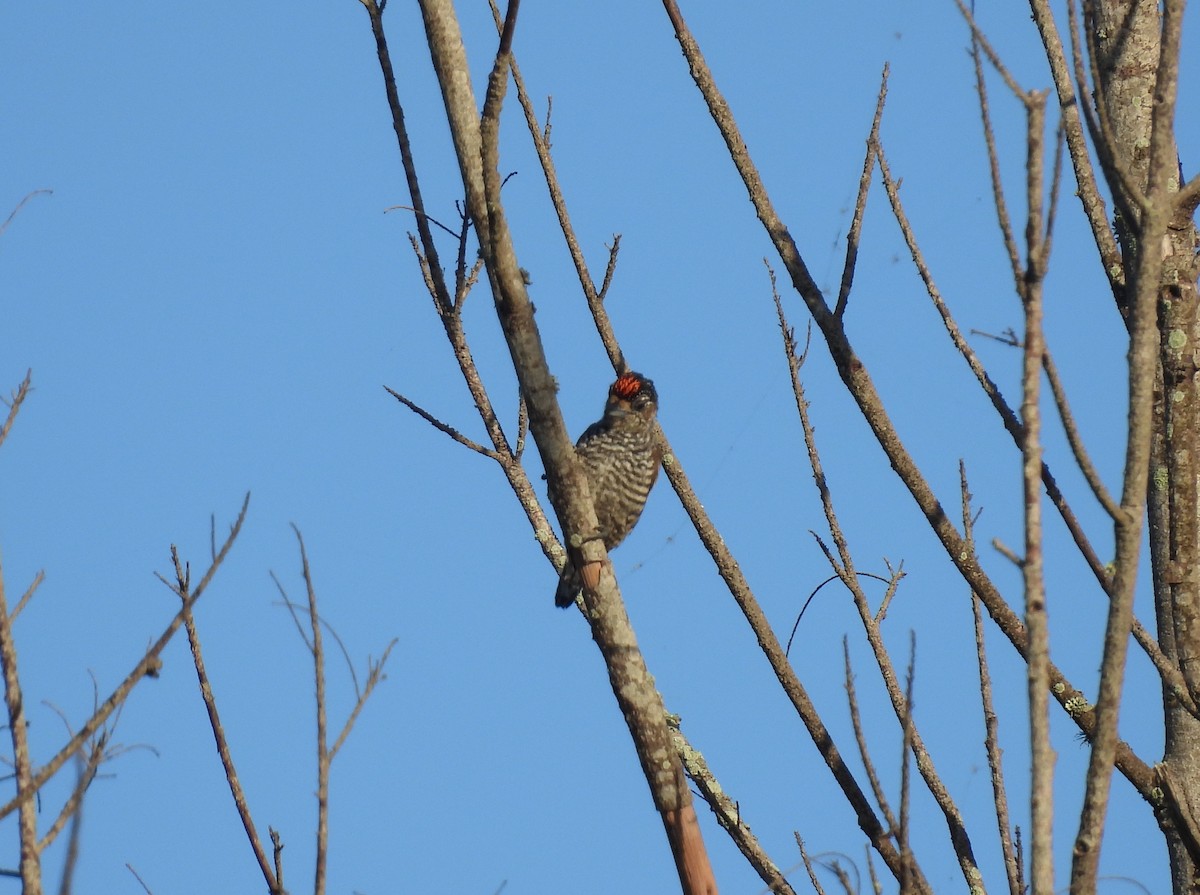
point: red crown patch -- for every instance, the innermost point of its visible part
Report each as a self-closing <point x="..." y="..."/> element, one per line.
<point x="627" y="385"/>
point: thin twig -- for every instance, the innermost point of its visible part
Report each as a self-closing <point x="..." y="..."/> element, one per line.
<point x="860" y="203"/>
<point x="218" y="730"/>
<point x="993" y="155"/>
<point x="323" y="756"/>
<point x="1169" y="673"/>
<point x="990" y="721"/>
<point x="74" y="836"/>
<point x="844" y="568"/>
<point x="417" y="211"/>
<point x="148" y="664"/>
<point x="1007" y="552"/>
<point x="141" y="881"/>
<point x="21" y="205"/>
<point x="861" y="739"/>
<point x="902" y="834"/>
<point x="1075" y="440"/>
<point x="29" y="591"/>
<point x="812" y="876"/>
<point x="74" y="804"/>
<point x="14" y="405"/>
<point x="375" y="676"/>
<point x="442" y="427"/>
<point x="541" y="144"/>
<point x="277" y="855"/>
<point x="978" y="38"/>
<point x="727" y="813"/>
<point x="1087" y="190"/>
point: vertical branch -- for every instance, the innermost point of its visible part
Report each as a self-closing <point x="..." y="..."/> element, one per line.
<point x="71" y="861"/>
<point x="1158" y="236"/>
<point x="14" y="703"/>
<point x="476" y="142"/>
<point x="902" y="835"/>
<point x="1038" y="672"/>
<point x="991" y="739"/>
<point x="318" y="653"/>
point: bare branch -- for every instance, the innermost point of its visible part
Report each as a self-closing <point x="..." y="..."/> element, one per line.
<point x="14" y="703"/>
<point x="323" y="758"/>
<point x="141" y="881"/>
<point x="991" y="739"/>
<point x="21" y="205"/>
<point x="906" y="724"/>
<point x="860" y="203"/>
<point x="812" y="876"/>
<point x="1085" y="177"/>
<point x="14" y="406"/>
<point x="277" y="846"/>
<point x="148" y="664"/>
<point x="979" y="40"/>
<point x="442" y="427"/>
<point x="861" y="739"/>
<point x="959" y="839"/>
<point x="375" y="676"/>
<point x="218" y="730"/>
<point x="1189" y="197"/>
<point x="728" y="815"/>
<point x="1169" y="673"/>
<point x="74" y="803"/>
<point x="989" y="139"/>
<point x="417" y="211"/>
<point x="541" y="144"/>
<point x="1038" y="668"/>
<point x="29" y="591"/>
<point x="1157" y="217"/>
<point x="1074" y="439"/>
<point x="856" y="378"/>
<point x="476" y="142"/>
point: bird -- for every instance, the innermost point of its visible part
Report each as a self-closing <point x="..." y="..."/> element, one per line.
<point x="621" y="457"/>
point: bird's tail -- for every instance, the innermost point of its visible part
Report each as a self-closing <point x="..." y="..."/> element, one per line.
<point x="569" y="586"/>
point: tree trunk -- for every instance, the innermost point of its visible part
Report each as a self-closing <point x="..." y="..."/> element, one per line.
<point x="1136" y="87"/>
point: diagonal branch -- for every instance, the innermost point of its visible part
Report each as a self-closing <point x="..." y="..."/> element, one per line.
<point x="901" y="703"/>
<point x="857" y="380"/>
<point x="1170" y="674"/>
<point x="1085" y="176"/>
<point x="182" y="588"/>
<point x="148" y="664"/>
<point x="442" y="427"/>
<point x="14" y="406"/>
<point x="860" y="203"/>
<point x="476" y="143"/>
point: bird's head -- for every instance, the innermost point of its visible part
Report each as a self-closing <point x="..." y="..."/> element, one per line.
<point x="632" y="393"/>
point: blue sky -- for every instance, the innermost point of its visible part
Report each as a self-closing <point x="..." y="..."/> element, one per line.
<point x="213" y="298"/>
